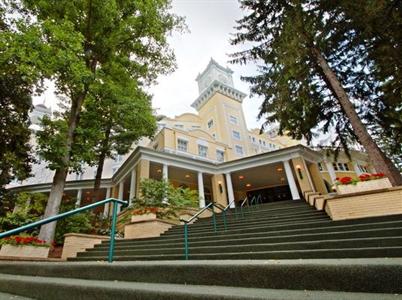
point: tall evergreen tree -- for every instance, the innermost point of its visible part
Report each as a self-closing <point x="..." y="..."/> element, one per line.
<point x="378" y="26"/>
<point x="313" y="73"/>
<point x="83" y="36"/>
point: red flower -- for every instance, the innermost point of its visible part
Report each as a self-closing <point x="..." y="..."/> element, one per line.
<point x="346" y="180"/>
<point x="364" y="177"/>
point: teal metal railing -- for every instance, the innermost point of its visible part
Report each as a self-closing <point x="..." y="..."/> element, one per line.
<point x="211" y="207"/>
<point x="115" y="202"/>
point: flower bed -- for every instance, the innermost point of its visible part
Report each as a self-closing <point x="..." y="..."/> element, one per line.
<point x="366" y="182"/>
<point x="24" y="246"/>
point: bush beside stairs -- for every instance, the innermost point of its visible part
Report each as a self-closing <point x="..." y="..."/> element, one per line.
<point x="283" y="250"/>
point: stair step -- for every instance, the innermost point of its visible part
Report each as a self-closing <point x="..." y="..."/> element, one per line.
<point x="367" y="252"/>
<point x="243" y="247"/>
<point x="321" y="227"/>
<point x="57" y="288"/>
<point x="226" y="240"/>
<point x="348" y="275"/>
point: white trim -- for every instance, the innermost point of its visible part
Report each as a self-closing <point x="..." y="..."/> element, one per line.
<point x="202" y="142"/>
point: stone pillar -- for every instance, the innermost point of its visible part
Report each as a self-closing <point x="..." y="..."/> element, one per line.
<point x="107" y="205"/>
<point x="219" y="189"/>
<point x="79" y="198"/>
<point x="308" y="175"/>
<point x="331" y="172"/>
<point x="201" y="190"/>
<point x="133" y="182"/>
<point x="291" y="181"/>
<point x="230" y="189"/>
<point x="142" y="173"/>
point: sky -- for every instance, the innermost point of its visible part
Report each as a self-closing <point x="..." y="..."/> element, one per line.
<point x="210" y="24"/>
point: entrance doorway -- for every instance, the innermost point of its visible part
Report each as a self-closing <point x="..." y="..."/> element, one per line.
<point x="273" y="194"/>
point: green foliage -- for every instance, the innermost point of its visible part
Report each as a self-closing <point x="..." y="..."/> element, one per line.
<point x="152" y="193"/>
<point x="161" y="194"/>
<point x="348" y="34"/>
<point x="16" y="86"/>
<point x="78" y="44"/>
<point x="28" y="208"/>
<point x="31" y="206"/>
<point x="182" y="197"/>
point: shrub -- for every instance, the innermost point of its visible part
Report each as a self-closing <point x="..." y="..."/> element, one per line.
<point x="154" y="193"/>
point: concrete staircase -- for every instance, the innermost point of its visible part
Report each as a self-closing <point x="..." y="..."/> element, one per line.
<point x="252" y="259"/>
<point x="363" y="279"/>
<point x="282" y="230"/>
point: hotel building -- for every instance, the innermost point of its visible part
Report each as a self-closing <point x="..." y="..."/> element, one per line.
<point x="211" y="151"/>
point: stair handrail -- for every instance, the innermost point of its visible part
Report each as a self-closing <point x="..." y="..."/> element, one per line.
<point x="244" y="201"/>
<point x="228" y="206"/>
<point x="195" y="216"/>
<point x="115" y="202"/>
<point x="210" y="206"/>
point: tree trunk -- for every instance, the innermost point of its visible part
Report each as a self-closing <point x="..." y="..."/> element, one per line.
<point x="56" y="193"/>
<point x="53" y="205"/>
<point x="101" y="162"/>
<point x="379" y="160"/>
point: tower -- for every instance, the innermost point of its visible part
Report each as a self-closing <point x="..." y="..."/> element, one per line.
<point x="219" y="104"/>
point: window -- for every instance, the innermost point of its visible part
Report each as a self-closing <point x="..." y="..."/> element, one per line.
<point x="182" y="145"/>
<point x="233" y="120"/>
<point x="346" y="167"/>
<point x="220" y="155"/>
<point x="263" y="142"/>
<point x="202" y="150"/>
<point x="178" y="126"/>
<point x="236" y="135"/>
<point x="320" y="166"/>
<point x="340" y="167"/>
<point x="239" y="150"/>
<point x="335" y="166"/>
<point x="210" y="123"/>
<point x="253" y="139"/>
<point x="214" y="135"/>
<point x="362" y="168"/>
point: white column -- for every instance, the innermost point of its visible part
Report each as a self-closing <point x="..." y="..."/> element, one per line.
<point x="107" y="205"/>
<point x="133" y="182"/>
<point x="229" y="186"/>
<point x="331" y="171"/>
<point x="79" y="198"/>
<point x="201" y="194"/>
<point x="291" y="181"/>
<point x="165" y="172"/>
<point x="165" y="177"/>
<point x="121" y="191"/>
<point x="356" y="168"/>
